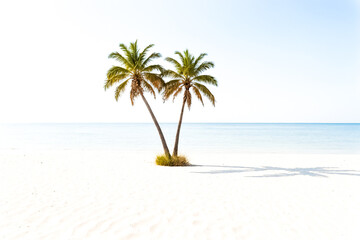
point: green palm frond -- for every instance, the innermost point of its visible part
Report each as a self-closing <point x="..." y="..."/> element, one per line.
<point x="206" y="79"/>
<point x="182" y="58"/>
<point x="150" y="58"/>
<point x="128" y="54"/>
<point x="206" y="92"/>
<point x="116" y="70"/>
<point x="199" y="58"/>
<point x="198" y="94"/>
<point x="121" y="58"/>
<point x="188" y="58"/>
<point x="153" y="68"/>
<point x="143" y="53"/>
<point x="111" y="81"/>
<point x="203" y="67"/>
<point x="120" y="89"/>
<point x="171" y="73"/>
<point x="134" y="51"/>
<point x="175" y="63"/>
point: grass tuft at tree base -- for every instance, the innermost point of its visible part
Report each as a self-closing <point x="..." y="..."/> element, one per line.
<point x="163" y="160"/>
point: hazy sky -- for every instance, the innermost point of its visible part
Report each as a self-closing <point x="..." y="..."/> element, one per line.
<point x="275" y="61"/>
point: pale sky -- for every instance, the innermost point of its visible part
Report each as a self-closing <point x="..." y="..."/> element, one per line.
<point x="275" y="61"/>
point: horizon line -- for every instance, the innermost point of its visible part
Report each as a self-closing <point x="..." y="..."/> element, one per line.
<point x="182" y="123"/>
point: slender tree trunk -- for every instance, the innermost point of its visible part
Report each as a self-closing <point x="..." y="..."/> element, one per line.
<point x="176" y="146"/>
<point x="166" y="149"/>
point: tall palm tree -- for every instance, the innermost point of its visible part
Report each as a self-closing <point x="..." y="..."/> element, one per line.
<point x="136" y="70"/>
<point x="188" y="75"/>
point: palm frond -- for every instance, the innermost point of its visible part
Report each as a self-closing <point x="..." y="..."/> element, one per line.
<point x="206" y="92"/>
<point x="143" y="53"/>
<point x="198" y="94"/>
<point x="128" y="54"/>
<point x="155" y="80"/>
<point x="121" y="58"/>
<point x="111" y="81"/>
<point x="171" y="87"/>
<point x="174" y="82"/>
<point x="120" y="89"/>
<point x="177" y="92"/>
<point x="203" y="67"/>
<point x="153" y="68"/>
<point x="187" y="64"/>
<point x="181" y="57"/>
<point x="206" y="79"/>
<point x="175" y="63"/>
<point x="150" y="58"/>
<point x="171" y="73"/>
<point x="199" y="58"/>
<point x="134" y="51"/>
<point x="147" y="87"/>
<point x="116" y="70"/>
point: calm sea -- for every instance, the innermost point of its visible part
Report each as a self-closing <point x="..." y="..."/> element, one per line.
<point x="207" y="137"/>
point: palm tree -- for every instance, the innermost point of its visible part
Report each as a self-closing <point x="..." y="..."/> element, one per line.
<point x="188" y="75"/>
<point x="136" y="70"/>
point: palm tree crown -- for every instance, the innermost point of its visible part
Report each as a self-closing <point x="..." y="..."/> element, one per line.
<point x="188" y="75"/>
<point x="136" y="69"/>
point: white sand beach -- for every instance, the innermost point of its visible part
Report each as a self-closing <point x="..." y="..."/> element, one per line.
<point x="112" y="195"/>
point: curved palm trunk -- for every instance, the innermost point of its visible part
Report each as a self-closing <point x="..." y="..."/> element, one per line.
<point x="176" y="146"/>
<point x="166" y="149"/>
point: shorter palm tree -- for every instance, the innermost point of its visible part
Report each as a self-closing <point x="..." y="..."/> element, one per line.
<point x="188" y="75"/>
<point x="136" y="69"/>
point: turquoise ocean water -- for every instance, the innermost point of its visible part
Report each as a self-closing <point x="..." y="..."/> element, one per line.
<point x="206" y="137"/>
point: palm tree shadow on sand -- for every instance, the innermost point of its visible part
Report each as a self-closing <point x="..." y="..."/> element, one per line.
<point x="280" y="171"/>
